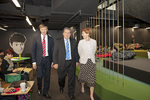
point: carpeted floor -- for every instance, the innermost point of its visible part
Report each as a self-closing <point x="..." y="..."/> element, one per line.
<point x="54" y="90"/>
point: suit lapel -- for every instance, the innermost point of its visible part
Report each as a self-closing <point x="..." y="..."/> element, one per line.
<point x="71" y="45"/>
<point x="63" y="45"/>
<point x="40" y="42"/>
<point x="48" y="42"/>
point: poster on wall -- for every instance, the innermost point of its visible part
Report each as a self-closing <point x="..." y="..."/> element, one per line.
<point x="17" y="42"/>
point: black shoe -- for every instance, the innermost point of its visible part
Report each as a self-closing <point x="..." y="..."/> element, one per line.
<point x="61" y="90"/>
<point x="39" y="92"/>
<point x="72" y="97"/>
<point x="47" y="96"/>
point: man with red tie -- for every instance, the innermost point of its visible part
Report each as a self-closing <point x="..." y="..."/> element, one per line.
<point x="42" y="52"/>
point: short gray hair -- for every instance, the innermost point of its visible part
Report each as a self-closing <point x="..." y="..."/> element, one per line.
<point x="66" y="28"/>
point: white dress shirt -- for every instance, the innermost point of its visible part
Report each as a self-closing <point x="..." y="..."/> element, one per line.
<point x="46" y="43"/>
<point x="65" y="40"/>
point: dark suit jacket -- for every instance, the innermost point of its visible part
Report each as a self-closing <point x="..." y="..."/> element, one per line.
<point x="59" y="54"/>
<point x="37" y="50"/>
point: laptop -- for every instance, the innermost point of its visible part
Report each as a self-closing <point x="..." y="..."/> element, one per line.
<point x="16" y="84"/>
<point x="21" y="71"/>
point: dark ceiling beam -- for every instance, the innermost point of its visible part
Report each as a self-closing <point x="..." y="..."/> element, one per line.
<point x="78" y="13"/>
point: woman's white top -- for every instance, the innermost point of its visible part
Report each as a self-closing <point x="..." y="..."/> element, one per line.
<point x="86" y="50"/>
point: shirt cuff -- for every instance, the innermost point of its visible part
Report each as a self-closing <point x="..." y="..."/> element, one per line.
<point x="34" y="63"/>
<point x="1" y="90"/>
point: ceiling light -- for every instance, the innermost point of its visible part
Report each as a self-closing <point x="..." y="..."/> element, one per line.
<point x="135" y="27"/>
<point x="27" y="19"/>
<point x="16" y="3"/>
<point x="97" y="25"/>
<point x="112" y="7"/>
<point x="5" y="26"/>
<point x="3" y="29"/>
<point x="117" y="27"/>
<point x="33" y="28"/>
<point x="147" y="28"/>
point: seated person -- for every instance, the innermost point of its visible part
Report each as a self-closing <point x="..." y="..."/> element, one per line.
<point x="1" y="53"/>
<point x="2" y="90"/>
<point x="106" y="50"/>
<point x="99" y="51"/>
<point x="114" y="49"/>
<point x="121" y="46"/>
<point x="7" y="65"/>
<point x="130" y="46"/>
<point x="137" y="46"/>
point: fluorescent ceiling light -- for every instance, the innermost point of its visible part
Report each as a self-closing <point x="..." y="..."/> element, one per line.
<point x="27" y="19"/>
<point x="135" y="27"/>
<point x="33" y="28"/>
<point x="147" y="28"/>
<point x="117" y="26"/>
<point x="104" y="4"/>
<point x="16" y="3"/>
<point x="112" y="7"/>
<point x="3" y="29"/>
<point x="97" y="25"/>
<point x="5" y="26"/>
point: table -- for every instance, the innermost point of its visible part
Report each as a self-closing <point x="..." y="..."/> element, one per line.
<point x="17" y="59"/>
<point x="29" y="71"/>
<point x="29" y="85"/>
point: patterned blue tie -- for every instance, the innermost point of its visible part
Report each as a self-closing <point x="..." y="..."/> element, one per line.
<point x="67" y="50"/>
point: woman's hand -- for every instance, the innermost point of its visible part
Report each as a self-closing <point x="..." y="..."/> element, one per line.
<point x="15" y="70"/>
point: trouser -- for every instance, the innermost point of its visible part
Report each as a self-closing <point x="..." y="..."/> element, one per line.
<point x="7" y="98"/>
<point x="43" y="70"/>
<point x="69" y="69"/>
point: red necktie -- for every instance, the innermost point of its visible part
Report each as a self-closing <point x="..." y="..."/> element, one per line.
<point x="44" y="47"/>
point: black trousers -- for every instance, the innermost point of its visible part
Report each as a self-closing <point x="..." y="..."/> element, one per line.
<point x="7" y="97"/>
<point x="69" y="69"/>
<point x="43" y="70"/>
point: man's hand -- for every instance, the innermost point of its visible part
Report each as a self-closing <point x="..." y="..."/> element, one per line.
<point x="8" y="90"/>
<point x="77" y="64"/>
<point x="34" y="66"/>
<point x="52" y="65"/>
<point x="55" y="66"/>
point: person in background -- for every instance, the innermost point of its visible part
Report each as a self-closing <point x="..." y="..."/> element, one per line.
<point x="2" y="90"/>
<point x="100" y="51"/>
<point x="86" y="50"/>
<point x="133" y="41"/>
<point x="42" y="58"/>
<point x="1" y="53"/>
<point x="106" y="50"/>
<point x="65" y="59"/>
<point x="7" y="65"/>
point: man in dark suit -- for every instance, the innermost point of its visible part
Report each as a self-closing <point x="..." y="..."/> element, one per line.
<point x="42" y="52"/>
<point x="65" y="59"/>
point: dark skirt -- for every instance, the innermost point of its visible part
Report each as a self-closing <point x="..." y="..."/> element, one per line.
<point x="87" y="73"/>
